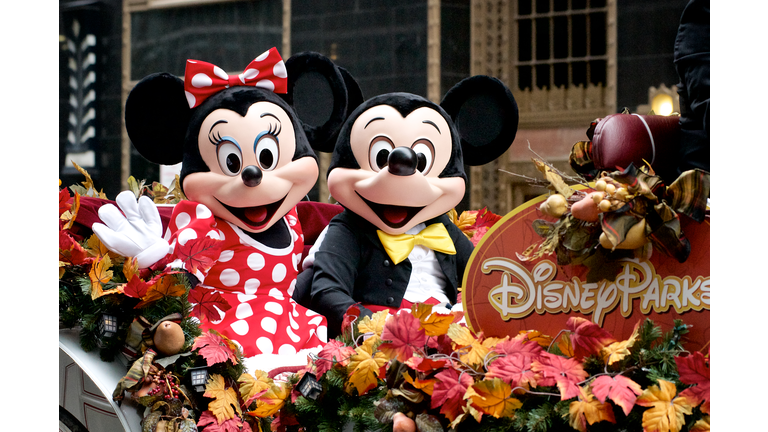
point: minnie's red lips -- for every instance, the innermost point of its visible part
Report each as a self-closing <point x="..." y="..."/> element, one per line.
<point x="255" y="217"/>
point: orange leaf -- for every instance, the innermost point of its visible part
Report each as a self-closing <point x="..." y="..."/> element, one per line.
<point x="365" y="369"/>
<point x="271" y="401"/>
<point x="535" y="336"/>
<point x="667" y="412"/>
<point x="588" y="410"/>
<point x="493" y="397"/>
<point x="165" y="286"/>
<point x="618" y="350"/>
<point x="100" y="275"/>
<point x="426" y="385"/>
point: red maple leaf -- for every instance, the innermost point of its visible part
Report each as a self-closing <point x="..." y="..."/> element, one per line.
<point x="694" y="371"/>
<point x="209" y="423"/>
<point x="336" y="351"/>
<point x="448" y="392"/>
<point x="214" y="348"/>
<point x="206" y="301"/>
<point x="566" y="373"/>
<point x="136" y="287"/>
<point x="404" y="335"/>
<point x="351" y="316"/>
<point x="71" y="252"/>
<point x="519" y="346"/>
<point x="514" y="369"/>
<point x="198" y="253"/>
<point x="425" y="364"/>
<point x="64" y="196"/>
<point x="587" y="337"/>
<point x="620" y="389"/>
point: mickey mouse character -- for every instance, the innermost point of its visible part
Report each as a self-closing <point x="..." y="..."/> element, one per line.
<point x="246" y="161"/>
<point x="397" y="168"/>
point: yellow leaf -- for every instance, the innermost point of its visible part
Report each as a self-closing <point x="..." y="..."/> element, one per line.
<point x="88" y="183"/>
<point x="667" y="412"/>
<point x="62" y="268"/>
<point x="587" y="409"/>
<point x="99" y="275"/>
<point x="130" y="268"/>
<point x="701" y="425"/>
<point x="493" y="397"/>
<point x="460" y="335"/>
<point x="270" y="402"/>
<point x="251" y="386"/>
<point x="476" y="354"/>
<point x="95" y="247"/>
<point x="135" y="186"/>
<point x="534" y="336"/>
<point x="225" y="401"/>
<point x="618" y="350"/>
<point x="373" y="324"/>
<point x="365" y="369"/>
<point x="565" y="346"/>
<point x="434" y="324"/>
<point x="71" y="214"/>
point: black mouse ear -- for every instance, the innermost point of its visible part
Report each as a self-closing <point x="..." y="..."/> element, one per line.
<point x="486" y="117"/>
<point x="157" y="117"/>
<point x="354" y="93"/>
<point x="318" y="93"/>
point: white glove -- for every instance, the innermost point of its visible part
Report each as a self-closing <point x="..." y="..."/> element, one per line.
<point x="137" y="234"/>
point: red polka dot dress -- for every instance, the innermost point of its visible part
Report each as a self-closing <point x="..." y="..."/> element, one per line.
<point x="256" y="280"/>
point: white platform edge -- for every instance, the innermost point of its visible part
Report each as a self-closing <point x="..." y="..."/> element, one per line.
<point x="105" y="375"/>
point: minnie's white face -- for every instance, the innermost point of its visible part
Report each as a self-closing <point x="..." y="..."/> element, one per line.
<point x="252" y="180"/>
<point x="389" y="196"/>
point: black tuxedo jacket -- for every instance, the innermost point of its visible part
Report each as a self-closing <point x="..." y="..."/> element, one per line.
<point x="352" y="266"/>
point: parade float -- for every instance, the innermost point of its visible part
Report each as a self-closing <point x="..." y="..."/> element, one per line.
<point x="585" y="309"/>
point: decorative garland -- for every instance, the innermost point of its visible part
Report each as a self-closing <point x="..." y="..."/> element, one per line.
<point x="423" y="370"/>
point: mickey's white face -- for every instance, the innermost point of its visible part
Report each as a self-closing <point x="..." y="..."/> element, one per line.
<point x="398" y="184"/>
<point x="252" y="180"/>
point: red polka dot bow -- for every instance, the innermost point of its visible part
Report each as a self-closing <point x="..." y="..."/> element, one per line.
<point x="202" y="79"/>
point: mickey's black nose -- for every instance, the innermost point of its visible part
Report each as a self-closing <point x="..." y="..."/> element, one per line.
<point x="402" y="161"/>
<point x="252" y="176"/>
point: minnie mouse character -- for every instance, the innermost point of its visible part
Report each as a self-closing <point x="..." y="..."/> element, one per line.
<point x="397" y="168"/>
<point x="247" y="160"/>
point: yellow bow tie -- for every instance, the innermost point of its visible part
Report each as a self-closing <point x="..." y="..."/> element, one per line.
<point x="435" y="237"/>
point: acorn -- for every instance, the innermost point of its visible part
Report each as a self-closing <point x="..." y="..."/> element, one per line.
<point x="168" y="338"/>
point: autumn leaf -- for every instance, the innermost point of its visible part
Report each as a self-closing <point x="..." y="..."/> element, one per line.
<point x="566" y="373"/>
<point x="253" y="386"/>
<point x="694" y="371"/>
<point x="448" y="392"/>
<point x="198" y="254"/>
<point x="427" y="385"/>
<point x="433" y="324"/>
<point x="521" y="346"/>
<point x="535" y="336"/>
<point x="701" y="425"/>
<point x="71" y="252"/>
<point x="514" y="370"/>
<point x="618" y="350"/>
<point x="214" y="348"/>
<point x="425" y="364"/>
<point x="271" y="401"/>
<point x="88" y="183"/>
<point x="70" y="214"/>
<point x="64" y="204"/>
<point x="460" y="335"/>
<point x="588" y="410"/>
<point x="164" y="286"/>
<point x="373" y="324"/>
<point x="365" y="369"/>
<point x="555" y="180"/>
<point x="587" y="337"/>
<point x="131" y="268"/>
<point x="207" y="303"/>
<point x="475" y="354"/>
<point x="620" y="389"/>
<point x="136" y="287"/>
<point x="484" y="221"/>
<point x="404" y="335"/>
<point x="667" y="412"/>
<point x="100" y="275"/>
<point x="209" y="423"/>
<point x="493" y="397"/>
<point x="224" y="402"/>
<point x="333" y="351"/>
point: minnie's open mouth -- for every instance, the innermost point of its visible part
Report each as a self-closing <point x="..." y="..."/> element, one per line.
<point x="255" y="217"/>
<point x="392" y="215"/>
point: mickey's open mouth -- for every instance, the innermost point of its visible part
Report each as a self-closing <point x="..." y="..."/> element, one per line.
<point x="392" y="215"/>
<point x="255" y="217"/>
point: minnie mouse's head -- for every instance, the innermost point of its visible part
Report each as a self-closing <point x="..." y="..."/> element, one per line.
<point x="245" y="152"/>
<point x="399" y="160"/>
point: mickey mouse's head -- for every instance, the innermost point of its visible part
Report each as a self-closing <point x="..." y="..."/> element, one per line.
<point x="399" y="159"/>
<point x="246" y="152"/>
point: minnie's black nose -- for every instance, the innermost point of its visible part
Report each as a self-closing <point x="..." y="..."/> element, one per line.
<point x="402" y="161"/>
<point x="252" y="176"/>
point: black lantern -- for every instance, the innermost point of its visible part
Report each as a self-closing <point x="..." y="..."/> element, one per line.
<point x="107" y="325"/>
<point x="309" y="387"/>
<point x="198" y="377"/>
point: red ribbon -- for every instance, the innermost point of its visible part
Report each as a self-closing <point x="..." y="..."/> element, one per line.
<point x="202" y="79"/>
